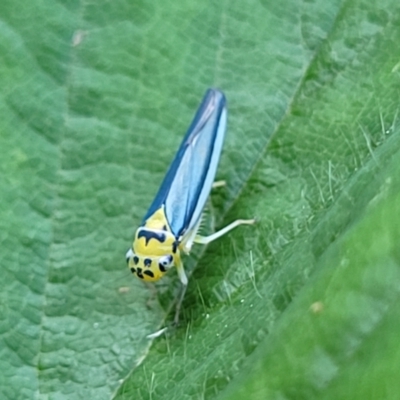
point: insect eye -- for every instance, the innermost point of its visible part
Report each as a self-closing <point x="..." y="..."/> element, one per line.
<point x="165" y="262"/>
<point x="129" y="255"/>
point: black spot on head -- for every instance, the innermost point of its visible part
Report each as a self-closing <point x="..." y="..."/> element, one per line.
<point x="147" y="262"/>
<point x="148" y="235"/>
<point x="149" y="273"/>
<point x="139" y="273"/>
<point x="135" y="260"/>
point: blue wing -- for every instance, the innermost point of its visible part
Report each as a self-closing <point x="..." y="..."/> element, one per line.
<point x="189" y="179"/>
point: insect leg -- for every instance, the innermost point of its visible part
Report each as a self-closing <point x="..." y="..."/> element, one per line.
<point x="218" y="184"/>
<point x="184" y="280"/>
<point x="181" y="273"/>
<point x="179" y="304"/>
<point x="207" y="239"/>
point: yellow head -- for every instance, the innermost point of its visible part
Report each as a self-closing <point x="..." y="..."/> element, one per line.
<point x="154" y="252"/>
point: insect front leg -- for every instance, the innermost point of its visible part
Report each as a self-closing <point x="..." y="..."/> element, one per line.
<point x="184" y="280"/>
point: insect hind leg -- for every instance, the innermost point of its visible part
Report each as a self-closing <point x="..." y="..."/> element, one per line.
<point x="208" y="239"/>
<point x="218" y="184"/>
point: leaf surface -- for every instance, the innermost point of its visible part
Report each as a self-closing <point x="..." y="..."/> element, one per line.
<point x="95" y="99"/>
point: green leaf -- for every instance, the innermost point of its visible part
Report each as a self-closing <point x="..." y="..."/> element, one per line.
<point x="95" y="99"/>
